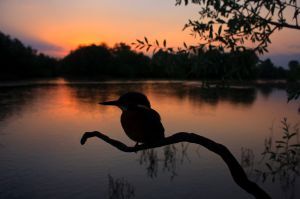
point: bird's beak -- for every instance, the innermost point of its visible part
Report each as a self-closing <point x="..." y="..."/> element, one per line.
<point x="112" y="103"/>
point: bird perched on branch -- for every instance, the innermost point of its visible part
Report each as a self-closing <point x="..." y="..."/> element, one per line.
<point x="140" y="122"/>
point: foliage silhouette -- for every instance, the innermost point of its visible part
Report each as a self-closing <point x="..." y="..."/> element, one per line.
<point x="294" y="70"/>
<point x="18" y="61"/>
<point x="87" y="61"/>
<point x="121" y="61"/>
<point x="192" y="62"/>
<point x="128" y="63"/>
<point x="230" y="24"/>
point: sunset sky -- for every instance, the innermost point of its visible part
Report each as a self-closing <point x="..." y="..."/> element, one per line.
<point x="55" y="26"/>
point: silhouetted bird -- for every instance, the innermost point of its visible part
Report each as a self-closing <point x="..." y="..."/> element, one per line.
<point x="139" y="121"/>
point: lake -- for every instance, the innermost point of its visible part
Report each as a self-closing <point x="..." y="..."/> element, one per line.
<point x="41" y="123"/>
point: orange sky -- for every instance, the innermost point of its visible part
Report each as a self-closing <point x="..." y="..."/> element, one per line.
<point x="55" y="27"/>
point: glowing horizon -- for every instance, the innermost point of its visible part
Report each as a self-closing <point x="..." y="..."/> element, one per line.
<point x="56" y="27"/>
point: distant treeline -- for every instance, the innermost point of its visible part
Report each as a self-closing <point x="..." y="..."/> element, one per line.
<point x="19" y="61"/>
<point x="99" y="61"/>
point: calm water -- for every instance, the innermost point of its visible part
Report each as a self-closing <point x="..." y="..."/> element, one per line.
<point x="41" y="124"/>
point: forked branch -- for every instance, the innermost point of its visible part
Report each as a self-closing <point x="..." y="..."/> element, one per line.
<point x="236" y="170"/>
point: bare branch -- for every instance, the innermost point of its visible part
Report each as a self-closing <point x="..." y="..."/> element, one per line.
<point x="284" y="25"/>
<point x="235" y="168"/>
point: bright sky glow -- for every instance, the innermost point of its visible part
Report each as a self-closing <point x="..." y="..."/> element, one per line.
<point x="57" y="26"/>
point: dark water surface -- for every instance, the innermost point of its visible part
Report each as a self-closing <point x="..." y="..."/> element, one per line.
<point x="41" y="124"/>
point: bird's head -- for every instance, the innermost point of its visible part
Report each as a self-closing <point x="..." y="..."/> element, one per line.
<point x="129" y="99"/>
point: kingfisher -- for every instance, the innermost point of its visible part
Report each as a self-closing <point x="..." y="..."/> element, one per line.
<point x="140" y="122"/>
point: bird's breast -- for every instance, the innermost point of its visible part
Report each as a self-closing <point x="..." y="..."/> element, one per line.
<point x="142" y="125"/>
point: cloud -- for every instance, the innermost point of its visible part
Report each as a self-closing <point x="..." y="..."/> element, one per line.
<point x="44" y="47"/>
<point x="40" y="45"/>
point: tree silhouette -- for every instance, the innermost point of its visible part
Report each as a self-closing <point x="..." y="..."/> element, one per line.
<point x="128" y="63"/>
<point x="121" y="61"/>
<point x="230" y="24"/>
<point x="294" y="70"/>
<point x="19" y="61"/>
<point x="87" y="61"/>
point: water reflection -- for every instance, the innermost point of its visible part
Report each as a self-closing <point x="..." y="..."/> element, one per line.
<point x="120" y="188"/>
<point x="87" y="95"/>
<point x="247" y="160"/>
<point x="149" y="158"/>
<point x="169" y="160"/>
<point x="13" y="100"/>
<point x="266" y="90"/>
<point x="91" y="94"/>
<point x="212" y="96"/>
<point x="42" y="124"/>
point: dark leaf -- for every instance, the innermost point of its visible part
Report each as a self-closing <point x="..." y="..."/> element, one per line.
<point x="141" y="42"/>
<point x="157" y="43"/>
<point x="154" y="51"/>
<point x="184" y="44"/>
<point x="220" y="30"/>
<point x="148" y="48"/>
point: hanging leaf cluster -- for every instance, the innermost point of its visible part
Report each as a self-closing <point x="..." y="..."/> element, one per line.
<point x="232" y="24"/>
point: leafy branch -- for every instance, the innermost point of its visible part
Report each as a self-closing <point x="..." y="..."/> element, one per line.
<point x="157" y="46"/>
<point x="230" y="24"/>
